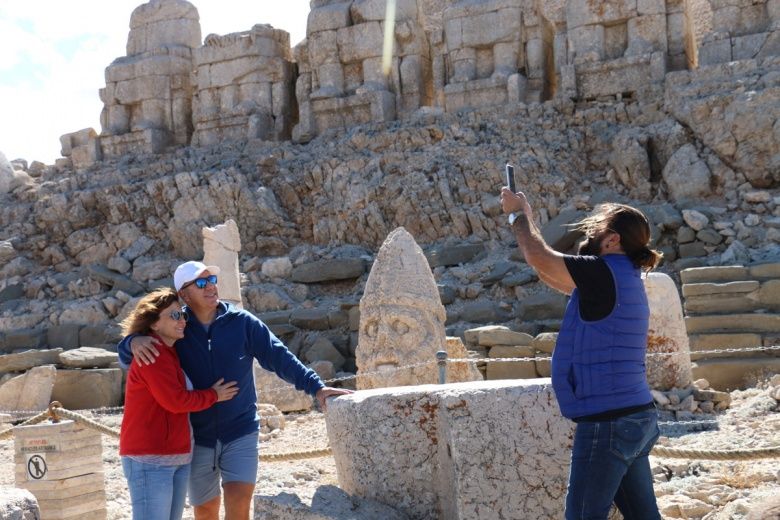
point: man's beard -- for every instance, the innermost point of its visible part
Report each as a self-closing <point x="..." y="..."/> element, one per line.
<point x="590" y="247"/>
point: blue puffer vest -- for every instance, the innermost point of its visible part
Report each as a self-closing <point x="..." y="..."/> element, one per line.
<point x="598" y="366"/>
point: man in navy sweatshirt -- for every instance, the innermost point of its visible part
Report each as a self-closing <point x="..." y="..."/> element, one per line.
<point x="221" y="341"/>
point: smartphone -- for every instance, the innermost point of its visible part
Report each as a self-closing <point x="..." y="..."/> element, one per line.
<point x="510" y="178"/>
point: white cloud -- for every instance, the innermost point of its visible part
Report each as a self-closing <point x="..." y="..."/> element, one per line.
<point x="54" y="54"/>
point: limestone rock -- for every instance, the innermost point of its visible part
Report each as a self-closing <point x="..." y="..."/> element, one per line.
<point x="18" y="504"/>
<point x="695" y="219"/>
<point x="6" y="174"/>
<point x="88" y="357"/>
<point x="401" y="319"/>
<point x="668" y="351"/>
<point x="271" y="418"/>
<point x="490" y="335"/>
<point x="277" y="267"/>
<point x="328" y="270"/>
<point x="221" y="245"/>
<point x="29" y="391"/>
<point x="273" y="390"/>
<point x="327" y="503"/>
<point x="687" y="175"/>
<point x="86" y="389"/>
<point x="434" y="460"/>
<point x="630" y="161"/>
<point x="22" y="361"/>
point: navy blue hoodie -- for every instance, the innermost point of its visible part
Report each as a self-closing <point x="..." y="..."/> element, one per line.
<point x="226" y="350"/>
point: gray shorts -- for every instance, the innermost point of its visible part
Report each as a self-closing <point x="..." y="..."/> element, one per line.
<point x="235" y="461"/>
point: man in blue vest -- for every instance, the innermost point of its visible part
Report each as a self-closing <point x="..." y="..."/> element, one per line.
<point x="598" y="366"/>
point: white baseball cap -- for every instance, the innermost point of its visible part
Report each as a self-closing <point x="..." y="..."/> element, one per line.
<point x="189" y="271"/>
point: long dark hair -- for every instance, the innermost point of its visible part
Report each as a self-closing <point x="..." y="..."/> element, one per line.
<point x="633" y="228"/>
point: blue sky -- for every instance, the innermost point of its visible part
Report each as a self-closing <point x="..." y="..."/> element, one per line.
<point x="53" y="54"/>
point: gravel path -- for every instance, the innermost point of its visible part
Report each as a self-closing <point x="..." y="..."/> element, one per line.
<point x="706" y="490"/>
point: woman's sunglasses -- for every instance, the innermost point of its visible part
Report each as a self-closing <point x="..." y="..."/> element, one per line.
<point x="178" y="315"/>
<point x="201" y="283"/>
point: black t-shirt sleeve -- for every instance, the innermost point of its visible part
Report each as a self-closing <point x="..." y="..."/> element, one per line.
<point x="595" y="285"/>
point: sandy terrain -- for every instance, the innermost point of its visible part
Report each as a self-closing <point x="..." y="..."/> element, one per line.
<point x="686" y="489"/>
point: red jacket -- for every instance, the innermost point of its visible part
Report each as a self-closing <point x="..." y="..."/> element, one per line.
<point x="157" y="402"/>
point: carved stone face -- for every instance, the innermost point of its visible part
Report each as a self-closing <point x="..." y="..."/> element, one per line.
<point x="392" y="336"/>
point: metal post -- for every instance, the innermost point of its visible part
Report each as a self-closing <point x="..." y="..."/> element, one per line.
<point x="441" y="360"/>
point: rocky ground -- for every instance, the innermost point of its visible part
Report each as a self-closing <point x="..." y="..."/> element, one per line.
<point x="707" y="490"/>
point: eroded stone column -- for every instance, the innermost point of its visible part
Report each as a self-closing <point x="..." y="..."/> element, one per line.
<point x="666" y="336"/>
<point x="221" y="245"/>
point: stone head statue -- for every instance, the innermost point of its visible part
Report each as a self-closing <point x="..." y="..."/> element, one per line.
<point x="401" y="317"/>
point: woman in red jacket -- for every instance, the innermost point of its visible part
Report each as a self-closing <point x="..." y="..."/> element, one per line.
<point x="155" y="441"/>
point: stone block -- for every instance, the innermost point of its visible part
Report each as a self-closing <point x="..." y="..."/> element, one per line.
<point x="650" y="7"/>
<point x="272" y="389"/>
<point x="116" y="280"/>
<point x="86" y="389"/>
<point x="769" y="294"/>
<point x="558" y="232"/>
<point x="692" y="249"/>
<point x="715" y="51"/>
<point x="599" y="12"/>
<point x="517" y="87"/>
<point x="734" y="373"/>
<point x="482" y="311"/>
<point x="730" y="273"/>
<point x="747" y="47"/>
<point x="24" y="339"/>
<point x="360" y="42"/>
<point x="63" y="336"/>
<point x="491" y="335"/>
<point x="587" y="43"/>
<point x="22" y="361"/>
<point x="326" y="503"/>
<point x="545" y="342"/>
<point x="771" y="270"/>
<point x="720" y="304"/>
<point x="323" y="350"/>
<point x="376" y="10"/>
<point x="511" y="369"/>
<point x="436" y="462"/>
<point x="733" y="323"/>
<point x="453" y="255"/>
<point x="646" y="34"/>
<point x="29" y="391"/>
<point x="700" y="343"/>
<point x="311" y="319"/>
<point x="543" y="366"/>
<point x="731" y="288"/>
<point x="328" y="270"/>
<point x="88" y="357"/>
<point x="543" y="306"/>
<point x="328" y="18"/>
<point x="12" y="292"/>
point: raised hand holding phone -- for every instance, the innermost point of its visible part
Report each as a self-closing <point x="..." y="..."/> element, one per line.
<point x="510" y="183"/>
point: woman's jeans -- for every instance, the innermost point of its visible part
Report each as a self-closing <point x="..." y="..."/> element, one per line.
<point x="156" y="492"/>
<point x="609" y="463"/>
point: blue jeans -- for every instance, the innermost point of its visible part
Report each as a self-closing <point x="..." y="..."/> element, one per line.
<point x="156" y="492"/>
<point x="609" y="464"/>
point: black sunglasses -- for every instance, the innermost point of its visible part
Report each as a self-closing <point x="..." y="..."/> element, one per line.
<point x="178" y="315"/>
<point x="201" y="283"/>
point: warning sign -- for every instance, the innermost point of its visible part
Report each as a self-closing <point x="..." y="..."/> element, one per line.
<point x="36" y="466"/>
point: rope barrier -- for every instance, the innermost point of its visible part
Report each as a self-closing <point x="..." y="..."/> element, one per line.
<point x="738" y="454"/>
<point x="295" y="455"/>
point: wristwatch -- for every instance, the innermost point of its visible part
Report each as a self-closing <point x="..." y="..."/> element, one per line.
<point x="512" y="217"/>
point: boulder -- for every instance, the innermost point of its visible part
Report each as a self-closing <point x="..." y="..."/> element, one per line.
<point x="86" y="389"/>
<point x="687" y="175"/>
<point x="6" y="174"/>
<point x="545" y="342"/>
<point x="22" y="361"/>
<point x="18" y="504"/>
<point x="29" y="391"/>
<point x="631" y="163"/>
<point x="323" y="350"/>
<point x="543" y="306"/>
<point x="88" y="357"/>
<point x="435" y="461"/>
<point x="277" y="267"/>
<point x="312" y="319"/>
<point x="558" y="232"/>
